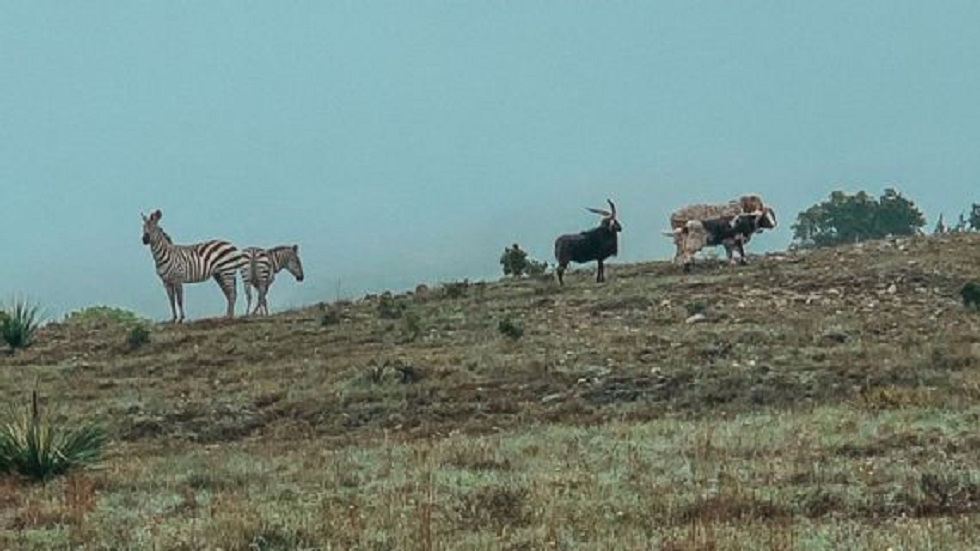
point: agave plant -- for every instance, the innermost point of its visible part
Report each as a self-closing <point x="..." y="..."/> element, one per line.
<point x="37" y="447"/>
<point x="18" y="324"/>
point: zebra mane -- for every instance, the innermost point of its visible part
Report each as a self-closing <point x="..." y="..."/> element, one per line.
<point x="166" y="235"/>
<point x="280" y="248"/>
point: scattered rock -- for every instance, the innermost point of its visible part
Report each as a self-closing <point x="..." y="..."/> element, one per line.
<point x="696" y="318"/>
<point x="835" y="336"/>
<point x="552" y="398"/>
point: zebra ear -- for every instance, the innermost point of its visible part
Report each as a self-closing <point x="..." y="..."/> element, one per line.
<point x="156" y="215"/>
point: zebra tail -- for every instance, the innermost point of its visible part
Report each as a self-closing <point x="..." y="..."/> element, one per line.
<point x="253" y="268"/>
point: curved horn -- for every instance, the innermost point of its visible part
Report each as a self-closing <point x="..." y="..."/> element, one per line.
<point x="612" y="206"/>
<point x="598" y="211"/>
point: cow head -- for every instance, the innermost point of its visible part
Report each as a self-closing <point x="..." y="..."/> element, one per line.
<point x="763" y="219"/>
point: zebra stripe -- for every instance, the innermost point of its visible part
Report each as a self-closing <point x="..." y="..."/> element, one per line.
<point x="259" y="269"/>
<point x="180" y="264"/>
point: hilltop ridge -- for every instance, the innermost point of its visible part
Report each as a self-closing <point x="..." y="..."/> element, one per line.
<point x="788" y="329"/>
<point x="823" y="399"/>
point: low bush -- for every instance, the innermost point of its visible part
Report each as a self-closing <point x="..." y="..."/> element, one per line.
<point x="515" y="262"/>
<point x="18" y="323"/>
<point x="138" y="335"/>
<point x="696" y="307"/>
<point x="971" y="295"/>
<point x="104" y="315"/>
<point x="456" y="289"/>
<point x="37" y="447"/>
<point x="412" y="325"/>
<point x="390" y="307"/>
<point x="510" y="328"/>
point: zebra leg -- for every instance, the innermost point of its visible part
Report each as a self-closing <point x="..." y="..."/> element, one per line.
<point x="263" y="305"/>
<point x="171" y="298"/>
<point x="227" y="283"/>
<point x="248" y="294"/>
<point x="179" y="291"/>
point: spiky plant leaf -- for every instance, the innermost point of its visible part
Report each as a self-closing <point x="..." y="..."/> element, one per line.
<point x="37" y="447"/>
<point x="19" y="322"/>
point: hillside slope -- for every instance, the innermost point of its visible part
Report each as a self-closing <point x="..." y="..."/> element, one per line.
<point x="877" y="327"/>
<point x="787" y="330"/>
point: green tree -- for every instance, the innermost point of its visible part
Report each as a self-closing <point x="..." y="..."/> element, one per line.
<point x="975" y="217"/>
<point x="516" y="263"/>
<point x="849" y="218"/>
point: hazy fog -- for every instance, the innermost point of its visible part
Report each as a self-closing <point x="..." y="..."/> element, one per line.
<point x="401" y="142"/>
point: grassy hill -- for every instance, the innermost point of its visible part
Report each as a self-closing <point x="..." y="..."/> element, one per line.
<point x="827" y="400"/>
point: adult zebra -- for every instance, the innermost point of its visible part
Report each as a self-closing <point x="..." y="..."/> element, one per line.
<point x="179" y="264"/>
<point x="260" y="268"/>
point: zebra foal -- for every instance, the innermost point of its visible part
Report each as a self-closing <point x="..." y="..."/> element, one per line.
<point x="260" y="268"/>
<point x="179" y="264"/>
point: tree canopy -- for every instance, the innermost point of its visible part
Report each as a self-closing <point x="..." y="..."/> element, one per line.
<point x="849" y="218"/>
<point x="974" y="217"/>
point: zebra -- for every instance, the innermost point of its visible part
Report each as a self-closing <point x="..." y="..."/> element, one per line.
<point x="260" y="268"/>
<point x="179" y="264"/>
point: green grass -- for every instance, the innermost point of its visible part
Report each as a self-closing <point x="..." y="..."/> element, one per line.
<point x="821" y="480"/>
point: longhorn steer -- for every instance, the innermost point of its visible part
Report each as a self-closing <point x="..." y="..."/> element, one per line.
<point x="746" y="204"/>
<point x="733" y="232"/>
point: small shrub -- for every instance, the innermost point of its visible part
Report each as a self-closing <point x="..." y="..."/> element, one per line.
<point x="971" y="295"/>
<point x="697" y="307"/>
<point x="35" y="446"/>
<point x="104" y="315"/>
<point x="513" y="261"/>
<point x="18" y="324"/>
<point x="516" y="263"/>
<point x="138" y="336"/>
<point x="375" y="373"/>
<point x="494" y="506"/>
<point x="412" y="325"/>
<point x="536" y="268"/>
<point x="510" y="328"/>
<point x="330" y="317"/>
<point x="389" y="372"/>
<point x="389" y="307"/>
<point x="948" y="494"/>
<point x="456" y="289"/>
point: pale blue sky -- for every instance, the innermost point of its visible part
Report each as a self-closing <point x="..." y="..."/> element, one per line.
<point x="402" y="142"/>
